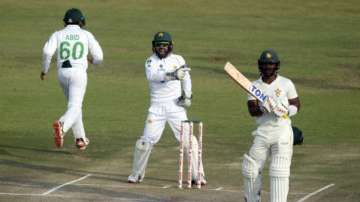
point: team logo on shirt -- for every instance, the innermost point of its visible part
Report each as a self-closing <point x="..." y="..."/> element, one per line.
<point x="277" y="92"/>
<point x="174" y="66"/>
<point x="149" y="121"/>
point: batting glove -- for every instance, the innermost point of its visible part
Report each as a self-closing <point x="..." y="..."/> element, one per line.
<point x="281" y="110"/>
<point x="268" y="105"/>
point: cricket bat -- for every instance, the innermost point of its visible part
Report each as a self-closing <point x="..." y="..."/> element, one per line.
<point x="244" y="83"/>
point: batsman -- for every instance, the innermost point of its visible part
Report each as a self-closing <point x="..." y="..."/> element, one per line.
<point x="273" y="137"/>
<point x="170" y="95"/>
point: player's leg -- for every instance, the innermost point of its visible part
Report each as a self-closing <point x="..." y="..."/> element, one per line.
<point x="73" y="83"/>
<point x="141" y="156"/>
<point x="174" y="120"/>
<point x="281" y="154"/>
<point x="252" y="166"/>
<point x="75" y="86"/>
<point x="154" y="126"/>
<point x="64" y="80"/>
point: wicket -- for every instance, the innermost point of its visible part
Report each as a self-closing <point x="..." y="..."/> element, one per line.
<point x="190" y="124"/>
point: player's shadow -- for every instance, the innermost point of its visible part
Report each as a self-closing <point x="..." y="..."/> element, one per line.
<point x="58" y="170"/>
<point x="114" y="177"/>
<point x="90" y="191"/>
<point x="33" y="149"/>
<point x="98" y="175"/>
<point x="124" y="195"/>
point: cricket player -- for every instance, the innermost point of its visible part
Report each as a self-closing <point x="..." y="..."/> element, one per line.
<point x="72" y="45"/>
<point x="273" y="137"/>
<point x="170" y="93"/>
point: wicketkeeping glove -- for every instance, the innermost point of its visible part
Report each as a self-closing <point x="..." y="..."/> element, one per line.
<point x="178" y="74"/>
<point x="184" y="101"/>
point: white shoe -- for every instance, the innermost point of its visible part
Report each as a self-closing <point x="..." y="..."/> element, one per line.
<point x="133" y="180"/>
<point x="203" y="181"/>
<point x="81" y="143"/>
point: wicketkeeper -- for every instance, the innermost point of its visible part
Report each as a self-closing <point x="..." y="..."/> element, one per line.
<point x="273" y="136"/>
<point x="72" y="45"/>
<point x="170" y="93"/>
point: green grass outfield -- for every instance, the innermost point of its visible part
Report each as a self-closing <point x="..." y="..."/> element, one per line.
<point x="319" y="46"/>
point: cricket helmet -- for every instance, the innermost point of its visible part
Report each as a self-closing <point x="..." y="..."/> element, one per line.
<point x="162" y="38"/>
<point x="75" y="17"/>
<point x="269" y="56"/>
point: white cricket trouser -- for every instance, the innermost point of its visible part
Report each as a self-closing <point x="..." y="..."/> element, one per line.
<point x="159" y="114"/>
<point x="280" y="148"/>
<point x="73" y="82"/>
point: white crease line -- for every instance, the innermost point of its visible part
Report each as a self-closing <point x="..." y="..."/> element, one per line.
<point x="166" y="186"/>
<point x="64" y="196"/>
<point x="16" y="194"/>
<point x="315" y="192"/>
<point x="138" y="186"/>
<point x="63" y="185"/>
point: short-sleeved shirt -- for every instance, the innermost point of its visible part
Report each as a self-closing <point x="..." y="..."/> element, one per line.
<point x="281" y="89"/>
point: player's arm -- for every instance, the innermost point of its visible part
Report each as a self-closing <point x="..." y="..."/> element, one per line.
<point x="154" y="74"/>
<point x="48" y="51"/>
<point x="179" y="74"/>
<point x="293" y="98"/>
<point x="186" y="97"/>
<point x="254" y="108"/>
<point x="96" y="54"/>
<point x="186" y="85"/>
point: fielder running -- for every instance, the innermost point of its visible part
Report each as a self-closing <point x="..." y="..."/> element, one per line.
<point x="273" y="136"/>
<point x="72" y="45"/>
<point x="170" y="92"/>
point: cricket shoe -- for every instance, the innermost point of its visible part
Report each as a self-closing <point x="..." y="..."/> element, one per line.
<point x="134" y="180"/>
<point x="81" y="143"/>
<point x="203" y="182"/>
<point x="58" y="134"/>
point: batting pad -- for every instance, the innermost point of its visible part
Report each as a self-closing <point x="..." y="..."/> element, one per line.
<point x="279" y="178"/>
<point x="141" y="157"/>
<point x="280" y="166"/>
<point x="252" y="179"/>
<point x="279" y="188"/>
